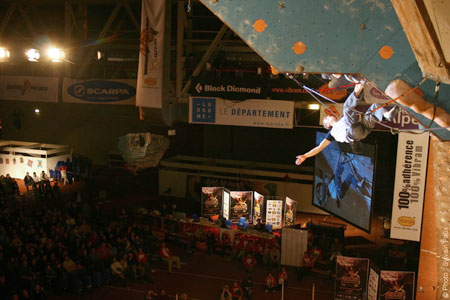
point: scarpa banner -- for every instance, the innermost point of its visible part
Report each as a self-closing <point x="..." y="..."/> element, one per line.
<point x="150" y="70"/>
<point x="117" y="91"/>
<point x="230" y="88"/>
<point x="27" y="88"/>
<point x="409" y="186"/>
<point x="351" y="278"/>
<point x="252" y="112"/>
<point x="396" y="285"/>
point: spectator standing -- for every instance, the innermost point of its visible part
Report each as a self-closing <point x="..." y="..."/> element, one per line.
<point x="282" y="278"/>
<point x="63" y="171"/>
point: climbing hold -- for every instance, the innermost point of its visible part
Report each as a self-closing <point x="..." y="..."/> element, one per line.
<point x="386" y="52"/>
<point x="259" y="25"/>
<point x="299" y="48"/>
<point x="274" y="71"/>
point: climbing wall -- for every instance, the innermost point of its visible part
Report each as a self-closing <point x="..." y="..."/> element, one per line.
<point x="335" y="36"/>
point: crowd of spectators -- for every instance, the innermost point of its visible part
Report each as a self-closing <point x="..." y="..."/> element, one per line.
<point x="69" y="249"/>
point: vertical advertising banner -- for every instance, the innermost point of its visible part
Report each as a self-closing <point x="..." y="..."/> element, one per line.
<point x="409" y="187"/>
<point x="351" y="278"/>
<point x="150" y="70"/>
<point x="226" y="205"/>
<point x="290" y="212"/>
<point x="241" y="205"/>
<point x="258" y="208"/>
<point x="372" y="287"/>
<point x="396" y="285"/>
<point x="211" y="201"/>
<point x="274" y="212"/>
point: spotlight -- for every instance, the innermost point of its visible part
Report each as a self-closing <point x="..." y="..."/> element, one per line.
<point x="313" y="106"/>
<point x="100" y="55"/>
<point x="33" y="55"/>
<point x="56" y="54"/>
<point x="4" y="54"/>
<point x="37" y="111"/>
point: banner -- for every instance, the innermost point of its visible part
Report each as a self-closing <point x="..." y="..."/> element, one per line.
<point x="99" y="91"/>
<point x="150" y="70"/>
<point x="231" y="88"/>
<point x="27" y="88"/>
<point x="274" y="212"/>
<point x="211" y="201"/>
<point x="253" y="112"/>
<point x="351" y="278"/>
<point x="290" y="211"/>
<point x="258" y="208"/>
<point x="372" y="287"/>
<point x="396" y="285"/>
<point x="241" y="205"/>
<point x="409" y="186"/>
<point x="402" y="120"/>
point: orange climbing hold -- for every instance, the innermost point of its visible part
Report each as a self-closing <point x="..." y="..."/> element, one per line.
<point x="299" y="48"/>
<point x="386" y="52"/>
<point x="259" y="25"/>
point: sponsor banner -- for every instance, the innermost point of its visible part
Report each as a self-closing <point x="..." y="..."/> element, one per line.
<point x="274" y="212"/>
<point x="196" y="182"/>
<point x="396" y="285"/>
<point x="290" y="211"/>
<point x="27" y="88"/>
<point x="252" y="112"/>
<point x="409" y="186"/>
<point x="212" y="198"/>
<point x="402" y="120"/>
<point x="99" y="91"/>
<point x="226" y="205"/>
<point x="372" y="287"/>
<point x="258" y="208"/>
<point x="351" y="278"/>
<point x="230" y="88"/>
<point x="150" y="70"/>
<point x="241" y="205"/>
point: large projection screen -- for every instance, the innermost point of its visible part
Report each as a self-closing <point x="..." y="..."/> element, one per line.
<point x="344" y="182"/>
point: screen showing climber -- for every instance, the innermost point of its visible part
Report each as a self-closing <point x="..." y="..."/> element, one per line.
<point x="343" y="181"/>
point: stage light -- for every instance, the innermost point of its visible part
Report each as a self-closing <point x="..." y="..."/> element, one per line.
<point x="56" y="54"/>
<point x="313" y="106"/>
<point x="4" y="54"/>
<point x="33" y="55"/>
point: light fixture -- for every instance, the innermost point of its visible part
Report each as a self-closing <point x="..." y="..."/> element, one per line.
<point x="4" y="54"/>
<point x="33" y="55"/>
<point x="56" y="54"/>
<point x="313" y="106"/>
<point x="37" y="111"/>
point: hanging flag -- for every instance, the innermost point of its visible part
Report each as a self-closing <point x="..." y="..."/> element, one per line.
<point x="149" y="83"/>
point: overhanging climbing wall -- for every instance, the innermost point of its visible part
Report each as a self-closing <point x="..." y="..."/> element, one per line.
<point x="336" y="36"/>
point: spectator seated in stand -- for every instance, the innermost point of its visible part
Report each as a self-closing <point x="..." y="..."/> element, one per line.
<point x="270" y="283"/>
<point x="167" y="256"/>
<point x="236" y="291"/>
<point x="225" y="293"/>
